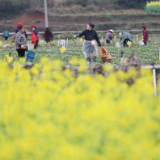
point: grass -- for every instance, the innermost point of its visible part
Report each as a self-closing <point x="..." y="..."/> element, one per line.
<point x="147" y="53"/>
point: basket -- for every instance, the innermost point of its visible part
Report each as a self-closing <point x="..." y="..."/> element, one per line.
<point x="30" y="56"/>
<point x="105" y="56"/>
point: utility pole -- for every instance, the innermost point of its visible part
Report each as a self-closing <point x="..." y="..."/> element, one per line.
<point x="46" y="13"/>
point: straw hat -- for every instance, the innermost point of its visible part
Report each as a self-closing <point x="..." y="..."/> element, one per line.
<point x="111" y="31"/>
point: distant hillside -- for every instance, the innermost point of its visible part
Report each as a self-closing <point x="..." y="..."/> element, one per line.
<point x="74" y="14"/>
<point x="131" y="19"/>
<point x="11" y="8"/>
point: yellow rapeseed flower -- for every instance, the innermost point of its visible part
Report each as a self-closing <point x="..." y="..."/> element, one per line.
<point x="47" y="112"/>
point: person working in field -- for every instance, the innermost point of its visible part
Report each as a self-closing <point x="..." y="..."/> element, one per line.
<point x="47" y="35"/>
<point x="89" y="46"/>
<point x="109" y="36"/>
<point x="125" y="38"/>
<point x="35" y="36"/>
<point x="17" y="29"/>
<point x="6" y="34"/>
<point x="21" y="42"/>
<point x="145" y="35"/>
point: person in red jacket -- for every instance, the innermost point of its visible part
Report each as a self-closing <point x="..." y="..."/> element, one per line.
<point x="145" y="35"/>
<point x="35" y="36"/>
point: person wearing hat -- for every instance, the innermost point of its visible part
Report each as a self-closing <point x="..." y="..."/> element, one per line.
<point x="35" y="36"/>
<point x="17" y="30"/>
<point x="21" y="42"/>
<point x="109" y="36"/>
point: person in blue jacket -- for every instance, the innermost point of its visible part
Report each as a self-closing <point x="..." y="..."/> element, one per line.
<point x="6" y="34"/>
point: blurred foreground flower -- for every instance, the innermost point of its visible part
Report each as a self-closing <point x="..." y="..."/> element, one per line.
<point x="47" y="113"/>
<point x="8" y="58"/>
<point x="74" y="61"/>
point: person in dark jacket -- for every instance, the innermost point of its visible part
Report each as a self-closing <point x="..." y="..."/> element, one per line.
<point x="35" y="36"/>
<point x="125" y="37"/>
<point x="17" y="29"/>
<point x="6" y="35"/>
<point x="89" y="46"/>
<point x="145" y="35"/>
<point x="109" y="36"/>
<point x="47" y="35"/>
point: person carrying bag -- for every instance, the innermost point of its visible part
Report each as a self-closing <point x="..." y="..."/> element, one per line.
<point x="21" y="42"/>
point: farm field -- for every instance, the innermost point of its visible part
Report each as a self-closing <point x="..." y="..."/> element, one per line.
<point x="148" y="54"/>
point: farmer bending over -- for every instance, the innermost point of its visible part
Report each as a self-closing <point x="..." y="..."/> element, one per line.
<point x="6" y="34"/>
<point x="125" y="37"/>
<point x="109" y="36"/>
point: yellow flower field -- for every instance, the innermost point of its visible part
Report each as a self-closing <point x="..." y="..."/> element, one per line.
<point x="48" y="114"/>
<point x="153" y="7"/>
<point x="153" y="3"/>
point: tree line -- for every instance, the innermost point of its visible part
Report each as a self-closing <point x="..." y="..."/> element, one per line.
<point x="15" y="7"/>
<point x="124" y="4"/>
<point x="12" y="7"/>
